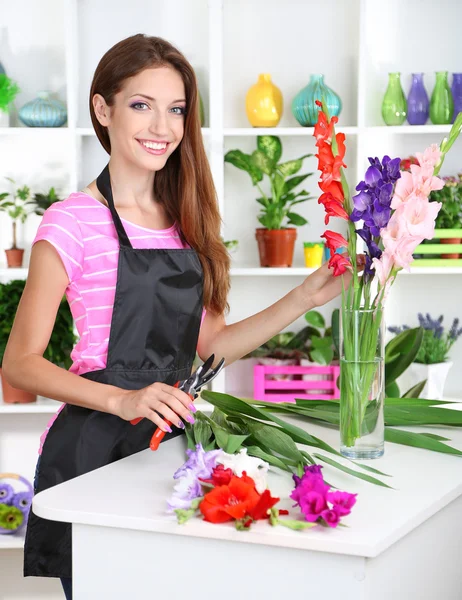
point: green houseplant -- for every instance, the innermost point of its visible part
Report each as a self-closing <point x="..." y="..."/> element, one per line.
<point x="450" y="214"/>
<point x="8" y="92"/>
<point x="44" y="201"/>
<point x="276" y="238"/>
<point x="16" y="209"/>
<point x="61" y="341"/>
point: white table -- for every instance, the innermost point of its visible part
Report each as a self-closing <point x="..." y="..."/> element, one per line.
<point x="400" y="544"/>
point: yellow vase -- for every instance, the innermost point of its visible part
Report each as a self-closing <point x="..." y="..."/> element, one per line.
<point x="313" y="254"/>
<point x="264" y="103"/>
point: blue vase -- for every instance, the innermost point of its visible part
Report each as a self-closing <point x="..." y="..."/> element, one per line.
<point x="456" y="89"/>
<point x="417" y="102"/>
<point x="304" y="108"/>
<point x="43" y="111"/>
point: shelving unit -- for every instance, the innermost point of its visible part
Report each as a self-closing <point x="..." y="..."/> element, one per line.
<point x="56" y="45"/>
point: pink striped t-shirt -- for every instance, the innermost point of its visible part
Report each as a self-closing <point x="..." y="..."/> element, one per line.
<point x="82" y="231"/>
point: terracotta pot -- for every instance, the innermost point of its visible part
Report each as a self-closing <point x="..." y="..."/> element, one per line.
<point x="276" y="246"/>
<point x="12" y="395"/>
<point x="450" y="241"/>
<point x="14" y="257"/>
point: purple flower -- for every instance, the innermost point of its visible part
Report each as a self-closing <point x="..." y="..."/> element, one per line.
<point x="342" y="502"/>
<point x="331" y="516"/>
<point x="312" y="505"/>
<point x="310" y="493"/>
<point x="201" y="463"/>
<point x="373" y="176"/>
<point x="185" y="491"/>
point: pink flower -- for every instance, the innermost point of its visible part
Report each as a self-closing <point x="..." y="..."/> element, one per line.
<point x="383" y="267"/>
<point x="419" y="182"/>
<point x="313" y="504"/>
<point x="431" y="156"/>
<point x="418" y="217"/>
<point x="343" y="502"/>
<point x="404" y="188"/>
<point x="331" y="516"/>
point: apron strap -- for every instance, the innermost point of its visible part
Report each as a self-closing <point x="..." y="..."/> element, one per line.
<point x="103" y="183"/>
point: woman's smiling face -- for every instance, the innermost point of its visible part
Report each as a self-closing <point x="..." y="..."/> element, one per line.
<point x="146" y="122"/>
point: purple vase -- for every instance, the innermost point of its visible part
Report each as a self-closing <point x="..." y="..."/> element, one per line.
<point x="417" y="101"/>
<point x="456" y="90"/>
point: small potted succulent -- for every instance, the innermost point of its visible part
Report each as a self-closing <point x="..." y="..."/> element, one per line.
<point x="276" y="238"/>
<point x="59" y="347"/>
<point x="17" y="211"/>
<point x="8" y="92"/>
<point x="432" y="361"/>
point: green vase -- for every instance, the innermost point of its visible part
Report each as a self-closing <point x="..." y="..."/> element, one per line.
<point x="394" y="105"/>
<point x="441" y="103"/>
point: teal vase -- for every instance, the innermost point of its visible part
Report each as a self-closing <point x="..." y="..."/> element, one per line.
<point x="304" y="106"/>
<point x="394" y="105"/>
<point x="43" y="111"/>
<point x="441" y="103"/>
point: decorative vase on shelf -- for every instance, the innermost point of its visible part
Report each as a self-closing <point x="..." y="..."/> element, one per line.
<point x="456" y="89"/>
<point x="417" y="101"/>
<point x="304" y="106"/>
<point x="43" y="111"/>
<point x="394" y="105"/>
<point x="264" y="103"/>
<point x="441" y="103"/>
<point x="362" y="381"/>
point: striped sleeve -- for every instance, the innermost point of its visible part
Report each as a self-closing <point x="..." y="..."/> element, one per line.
<point x="61" y="229"/>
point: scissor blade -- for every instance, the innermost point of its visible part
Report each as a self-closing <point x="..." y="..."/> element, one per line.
<point x="207" y="378"/>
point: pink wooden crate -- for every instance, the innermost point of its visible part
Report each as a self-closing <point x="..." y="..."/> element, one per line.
<point x="321" y="385"/>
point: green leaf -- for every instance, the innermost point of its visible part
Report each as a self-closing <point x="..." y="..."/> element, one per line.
<point x="277" y="440"/>
<point x="401" y="353"/>
<point x="315" y="318"/>
<point x="270" y="458"/>
<point x="262" y="162"/>
<point x="295" y="219"/>
<point x="417" y="440"/>
<point x="221" y="436"/>
<point x="357" y="474"/>
<point x="278" y="181"/>
<point x="271" y="146"/>
<point x="235" y="442"/>
<point x="415" y="391"/>
<point x="323" y="356"/>
<point x="292" y="166"/>
<point x="189" y="437"/>
<point x="392" y="390"/>
<point x="263" y="201"/>
<point x="292" y="183"/>
<point x="202" y="432"/>
<point x="244" y="162"/>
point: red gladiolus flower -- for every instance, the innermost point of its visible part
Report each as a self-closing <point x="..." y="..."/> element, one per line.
<point x="334" y="240"/>
<point x="334" y="209"/>
<point x="220" y="476"/>
<point x="323" y="129"/>
<point x="232" y="501"/>
<point x="260" y="510"/>
<point x="339" y="263"/>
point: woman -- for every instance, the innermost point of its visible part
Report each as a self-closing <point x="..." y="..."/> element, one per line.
<point x="138" y="254"/>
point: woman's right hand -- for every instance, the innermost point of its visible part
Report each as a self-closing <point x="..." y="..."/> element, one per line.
<point x="154" y="402"/>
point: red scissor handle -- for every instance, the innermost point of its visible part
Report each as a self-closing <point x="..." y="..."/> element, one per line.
<point x="159" y="433"/>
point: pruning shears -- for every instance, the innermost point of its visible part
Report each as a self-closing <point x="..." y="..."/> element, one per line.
<point x="191" y="386"/>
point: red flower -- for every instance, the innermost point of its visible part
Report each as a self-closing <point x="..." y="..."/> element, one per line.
<point x="405" y="164"/>
<point x="339" y="263"/>
<point x="232" y="501"/>
<point x="220" y="476"/>
<point x="323" y="129"/>
<point x="333" y="207"/>
<point x="260" y="510"/>
<point x="334" y="240"/>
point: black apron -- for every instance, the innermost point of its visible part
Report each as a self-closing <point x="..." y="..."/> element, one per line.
<point x="153" y="337"/>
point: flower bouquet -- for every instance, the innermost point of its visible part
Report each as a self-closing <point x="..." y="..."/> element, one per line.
<point x="396" y="217"/>
<point x="233" y="487"/>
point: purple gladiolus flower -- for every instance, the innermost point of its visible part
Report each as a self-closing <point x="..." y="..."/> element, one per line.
<point x="200" y="462"/>
<point x="331" y="516"/>
<point x="373" y="176"/>
<point x="343" y="502"/>
<point x="185" y="491"/>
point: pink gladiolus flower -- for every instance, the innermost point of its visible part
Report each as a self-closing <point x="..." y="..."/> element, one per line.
<point x="419" y="182"/>
<point x="343" y="502"/>
<point x="383" y="267"/>
<point x="431" y="156"/>
<point x="331" y="516"/>
<point x="418" y="216"/>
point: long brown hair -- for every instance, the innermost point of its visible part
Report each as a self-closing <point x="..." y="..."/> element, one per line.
<point x="185" y="184"/>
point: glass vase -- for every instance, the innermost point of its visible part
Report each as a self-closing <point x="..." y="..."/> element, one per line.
<point x="417" y="101"/>
<point x="394" y="105"/>
<point x="456" y="89"/>
<point x="441" y="103"/>
<point x="304" y="106"/>
<point x="362" y="383"/>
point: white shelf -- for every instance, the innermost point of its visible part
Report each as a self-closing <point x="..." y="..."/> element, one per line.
<point x="42" y="406"/>
<point x="7" y="131"/>
<point x="409" y="129"/>
<point x="90" y="132"/>
<point x="293" y="131"/>
<point x="11" y="542"/>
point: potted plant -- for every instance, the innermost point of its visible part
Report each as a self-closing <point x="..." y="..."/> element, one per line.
<point x="44" y="201"/>
<point x="450" y="214"/>
<point x="431" y="362"/>
<point x="59" y="347"/>
<point x="275" y="239"/>
<point x="8" y="92"/>
<point x="17" y="211"/>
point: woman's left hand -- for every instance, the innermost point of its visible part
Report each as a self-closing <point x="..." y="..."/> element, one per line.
<point x="321" y="286"/>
